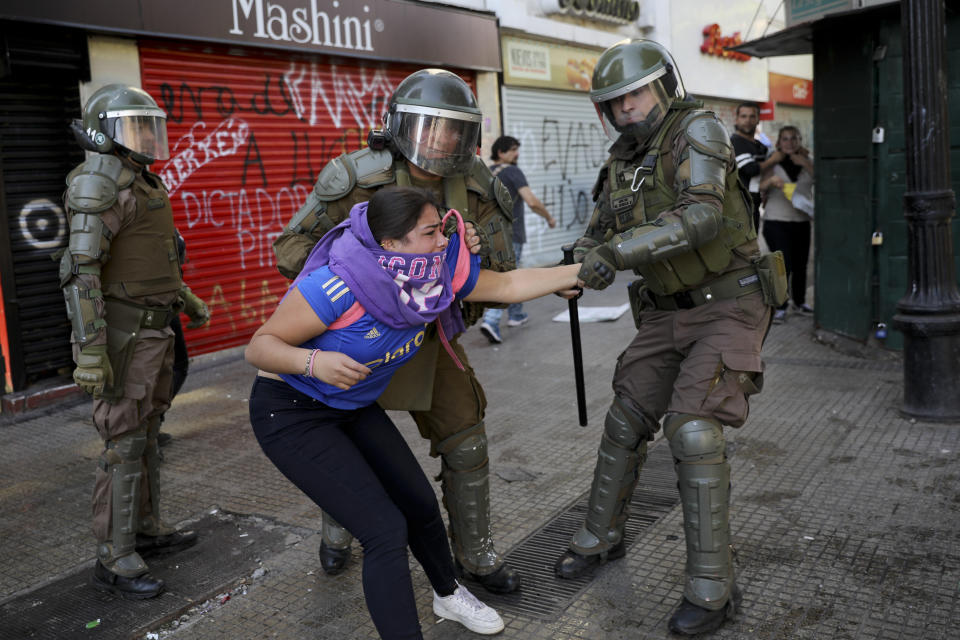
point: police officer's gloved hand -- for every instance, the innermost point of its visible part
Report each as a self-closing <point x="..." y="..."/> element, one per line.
<point x="599" y="268"/>
<point x="93" y="369"/>
<point x="476" y="238"/>
<point x="195" y="308"/>
<point x="582" y="247"/>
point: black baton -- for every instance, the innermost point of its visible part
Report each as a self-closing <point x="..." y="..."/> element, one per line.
<point x="577" y="350"/>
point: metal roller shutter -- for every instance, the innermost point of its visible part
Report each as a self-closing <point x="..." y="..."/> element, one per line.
<point x="38" y="98"/>
<point x="249" y="130"/>
<point x="562" y="148"/>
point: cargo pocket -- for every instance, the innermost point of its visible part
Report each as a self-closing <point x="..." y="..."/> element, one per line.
<point x="741" y="376"/>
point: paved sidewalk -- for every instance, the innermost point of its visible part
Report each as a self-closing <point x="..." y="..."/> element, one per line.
<point x="845" y="516"/>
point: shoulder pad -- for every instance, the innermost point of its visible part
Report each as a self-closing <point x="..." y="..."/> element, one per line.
<point x="372" y="168"/>
<point x="335" y="180"/>
<point x="94" y="186"/>
<point x="704" y="133"/>
<point x="481" y="180"/>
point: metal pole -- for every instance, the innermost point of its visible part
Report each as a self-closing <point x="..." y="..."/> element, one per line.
<point x="929" y="313"/>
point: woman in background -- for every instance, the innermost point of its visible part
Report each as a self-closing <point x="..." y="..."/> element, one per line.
<point x="786" y="227"/>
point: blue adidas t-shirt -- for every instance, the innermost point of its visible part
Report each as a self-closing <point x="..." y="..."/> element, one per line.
<point x="368" y="341"/>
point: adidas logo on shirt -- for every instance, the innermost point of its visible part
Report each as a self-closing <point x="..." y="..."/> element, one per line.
<point x="373" y="333"/>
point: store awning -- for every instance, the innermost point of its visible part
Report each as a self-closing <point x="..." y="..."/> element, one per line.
<point x="798" y="39"/>
<point x="795" y="40"/>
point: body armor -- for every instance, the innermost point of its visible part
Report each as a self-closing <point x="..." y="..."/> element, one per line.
<point x="641" y="189"/>
<point x="147" y="261"/>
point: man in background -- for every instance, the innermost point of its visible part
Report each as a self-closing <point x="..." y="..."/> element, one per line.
<point x="751" y="154"/>
<point x="504" y="154"/>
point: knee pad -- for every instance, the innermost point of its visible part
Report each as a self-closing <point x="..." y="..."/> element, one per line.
<point x="127" y="448"/>
<point x="695" y="440"/>
<point x="626" y="427"/>
<point x="468" y="454"/>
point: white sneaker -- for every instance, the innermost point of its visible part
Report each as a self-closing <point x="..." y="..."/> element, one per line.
<point x="518" y="321"/>
<point x="463" y="607"/>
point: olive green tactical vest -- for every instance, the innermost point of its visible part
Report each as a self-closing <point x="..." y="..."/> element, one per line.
<point x="143" y="257"/>
<point x="655" y="194"/>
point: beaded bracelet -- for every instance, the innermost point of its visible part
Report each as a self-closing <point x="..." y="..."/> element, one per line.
<point x="308" y="372"/>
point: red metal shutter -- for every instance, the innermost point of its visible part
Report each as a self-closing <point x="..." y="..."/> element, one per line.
<point x="249" y="130"/>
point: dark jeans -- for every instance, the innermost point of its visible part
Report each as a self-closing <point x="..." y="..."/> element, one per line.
<point x="358" y="468"/>
<point x="793" y="238"/>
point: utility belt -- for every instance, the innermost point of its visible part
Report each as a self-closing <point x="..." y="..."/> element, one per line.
<point x="129" y="316"/>
<point x="124" y="321"/>
<point x="767" y="275"/>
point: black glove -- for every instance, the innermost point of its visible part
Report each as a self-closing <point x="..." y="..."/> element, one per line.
<point x="599" y="268"/>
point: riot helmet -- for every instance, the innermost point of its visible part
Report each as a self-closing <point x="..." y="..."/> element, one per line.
<point x="434" y="122"/>
<point x="634" y="83"/>
<point x="126" y="118"/>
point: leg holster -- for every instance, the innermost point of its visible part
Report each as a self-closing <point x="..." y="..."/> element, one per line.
<point x="334" y="536"/>
<point x="703" y="476"/>
<point x="623" y="450"/>
<point x="465" y="482"/>
<point x="121" y="462"/>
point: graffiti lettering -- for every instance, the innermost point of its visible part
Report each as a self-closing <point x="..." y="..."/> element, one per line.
<point x="255" y="220"/>
<point x="561" y="158"/>
<point x="362" y="96"/>
<point x="190" y="152"/>
<point x="253" y="158"/>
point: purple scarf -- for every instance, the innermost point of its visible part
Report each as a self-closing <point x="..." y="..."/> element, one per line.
<point x="401" y="290"/>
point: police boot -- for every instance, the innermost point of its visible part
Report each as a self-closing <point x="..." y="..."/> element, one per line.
<point x="465" y="481"/>
<point x="334" y="546"/>
<point x="623" y="450"/>
<point x="689" y="619"/>
<point x="120" y="569"/>
<point x="703" y="479"/>
<point x="154" y="537"/>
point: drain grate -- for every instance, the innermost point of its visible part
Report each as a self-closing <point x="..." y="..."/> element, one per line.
<point x="543" y="595"/>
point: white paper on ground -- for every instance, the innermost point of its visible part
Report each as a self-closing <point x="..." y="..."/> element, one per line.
<point x="594" y="314"/>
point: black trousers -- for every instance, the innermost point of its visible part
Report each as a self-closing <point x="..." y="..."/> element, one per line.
<point x="357" y="467"/>
<point x="793" y="238"/>
<point x="181" y="359"/>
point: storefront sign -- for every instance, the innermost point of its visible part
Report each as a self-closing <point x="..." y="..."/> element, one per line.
<point x="396" y="30"/>
<point x="715" y="44"/>
<point x="791" y="90"/>
<point x="621" y="11"/>
<point x="533" y="63"/>
<point x="766" y="110"/>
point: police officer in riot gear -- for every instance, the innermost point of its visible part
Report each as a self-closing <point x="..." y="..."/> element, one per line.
<point x="669" y="207"/>
<point x="429" y="140"/>
<point x="121" y="281"/>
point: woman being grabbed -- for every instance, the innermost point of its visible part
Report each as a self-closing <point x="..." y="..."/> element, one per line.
<point x="358" y="310"/>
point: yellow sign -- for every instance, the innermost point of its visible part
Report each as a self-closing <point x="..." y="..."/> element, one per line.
<point x="532" y="63"/>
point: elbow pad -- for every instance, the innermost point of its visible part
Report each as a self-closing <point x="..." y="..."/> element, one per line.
<point x="83" y="312"/>
<point x="663" y="239"/>
<point x="648" y="243"/>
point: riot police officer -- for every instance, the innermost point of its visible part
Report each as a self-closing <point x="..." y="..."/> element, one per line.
<point x="120" y="276"/>
<point x="430" y="137"/>
<point x="669" y="206"/>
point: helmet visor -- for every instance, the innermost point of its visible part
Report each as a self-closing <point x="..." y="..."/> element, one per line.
<point x="140" y="133"/>
<point x="635" y="109"/>
<point x="441" y="141"/>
